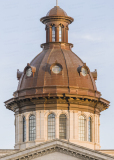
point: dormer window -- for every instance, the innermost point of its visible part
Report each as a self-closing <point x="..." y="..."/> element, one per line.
<point x="53" y="33"/>
<point x="60" y="33"/>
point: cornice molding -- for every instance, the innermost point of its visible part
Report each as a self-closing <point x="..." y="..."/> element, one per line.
<point x="66" y="19"/>
<point x="57" y="102"/>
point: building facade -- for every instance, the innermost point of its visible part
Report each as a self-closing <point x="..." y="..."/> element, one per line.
<point x="57" y="106"/>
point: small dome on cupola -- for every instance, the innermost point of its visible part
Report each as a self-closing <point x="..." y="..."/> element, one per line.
<point x="56" y="11"/>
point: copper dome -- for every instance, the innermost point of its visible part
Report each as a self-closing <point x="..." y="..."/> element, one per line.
<point x="68" y="82"/>
<point x="56" y="11"/>
<point x="40" y="87"/>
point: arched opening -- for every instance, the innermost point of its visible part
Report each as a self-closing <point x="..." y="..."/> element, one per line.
<point x="82" y="128"/>
<point x="51" y="126"/>
<point x="60" y="33"/>
<point x="90" y="129"/>
<point x="32" y="128"/>
<point x="53" y="33"/>
<point x="62" y="126"/>
<point x="24" y="129"/>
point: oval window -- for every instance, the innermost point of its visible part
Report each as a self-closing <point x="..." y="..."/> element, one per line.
<point x="56" y="69"/>
<point x="29" y="72"/>
<point x="84" y="71"/>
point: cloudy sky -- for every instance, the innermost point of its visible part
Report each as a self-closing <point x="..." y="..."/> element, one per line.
<point x="21" y="34"/>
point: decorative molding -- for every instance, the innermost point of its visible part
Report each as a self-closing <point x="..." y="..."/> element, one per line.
<point x="57" y="102"/>
<point x="57" y="148"/>
<point x="60" y="146"/>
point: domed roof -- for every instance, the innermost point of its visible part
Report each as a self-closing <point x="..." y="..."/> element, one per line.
<point x="56" y="11"/>
<point x="69" y="81"/>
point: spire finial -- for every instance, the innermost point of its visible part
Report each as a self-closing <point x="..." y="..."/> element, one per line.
<point x="56" y="2"/>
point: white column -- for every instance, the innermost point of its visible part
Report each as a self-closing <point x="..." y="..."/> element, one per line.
<point x="71" y="125"/>
<point x="42" y="124"/>
<point x="57" y="127"/>
<point x="87" y="138"/>
<point x="76" y="126"/>
<point x="74" y="122"/>
<point x="37" y="125"/>
<point x="21" y="128"/>
<point x="45" y="128"/>
<point x="16" y="128"/>
<point x="98" y="129"/>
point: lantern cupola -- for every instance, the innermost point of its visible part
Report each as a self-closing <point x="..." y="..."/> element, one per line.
<point x="57" y="22"/>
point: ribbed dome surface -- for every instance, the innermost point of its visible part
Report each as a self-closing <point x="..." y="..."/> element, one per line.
<point x="68" y="82"/>
<point x="56" y="11"/>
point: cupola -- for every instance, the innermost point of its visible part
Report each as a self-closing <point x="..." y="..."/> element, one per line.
<point x="57" y="95"/>
<point x="57" y="22"/>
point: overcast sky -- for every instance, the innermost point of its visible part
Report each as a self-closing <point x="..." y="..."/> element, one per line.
<point x="21" y="34"/>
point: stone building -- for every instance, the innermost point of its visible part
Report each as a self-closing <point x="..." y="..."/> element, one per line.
<point x="57" y="105"/>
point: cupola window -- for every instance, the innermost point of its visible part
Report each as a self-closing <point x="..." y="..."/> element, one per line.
<point x="62" y="126"/>
<point x="56" y="69"/>
<point x="90" y="129"/>
<point x="60" y="33"/>
<point x="53" y="33"/>
<point x="24" y="129"/>
<point x="82" y="128"/>
<point x="32" y="128"/>
<point x="51" y="126"/>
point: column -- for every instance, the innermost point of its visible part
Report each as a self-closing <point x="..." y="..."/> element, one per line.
<point x="46" y="34"/>
<point x="42" y="125"/>
<point x="67" y="34"/>
<point x="76" y="126"/>
<point x="57" y="127"/>
<point x="50" y="34"/>
<point x="71" y="125"/>
<point x="64" y="34"/>
<point x="37" y="125"/>
<point x="87" y="130"/>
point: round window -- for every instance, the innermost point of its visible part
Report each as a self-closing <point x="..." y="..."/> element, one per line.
<point x="84" y="71"/>
<point x="56" y="69"/>
<point x="29" y="72"/>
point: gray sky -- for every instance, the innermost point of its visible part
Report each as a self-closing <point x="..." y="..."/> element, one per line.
<point x="21" y="34"/>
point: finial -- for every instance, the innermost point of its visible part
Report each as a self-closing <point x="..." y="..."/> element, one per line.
<point x="56" y="2"/>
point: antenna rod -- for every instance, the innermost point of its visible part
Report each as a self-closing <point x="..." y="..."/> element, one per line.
<point x="56" y="2"/>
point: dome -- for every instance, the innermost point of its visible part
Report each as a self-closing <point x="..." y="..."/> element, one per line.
<point x="69" y="81"/>
<point x="56" y="11"/>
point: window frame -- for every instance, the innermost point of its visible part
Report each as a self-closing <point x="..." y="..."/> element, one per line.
<point x="82" y="128"/>
<point x="53" y="33"/>
<point x="51" y="129"/>
<point x="90" y="129"/>
<point x="24" y="129"/>
<point x="32" y="124"/>
<point x="63" y="126"/>
<point x="60" y="33"/>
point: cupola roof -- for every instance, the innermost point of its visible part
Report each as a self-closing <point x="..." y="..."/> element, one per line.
<point x="56" y="11"/>
<point x="57" y="71"/>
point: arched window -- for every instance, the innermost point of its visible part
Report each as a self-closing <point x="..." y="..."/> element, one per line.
<point x="62" y="126"/>
<point x="90" y="129"/>
<point x="51" y="126"/>
<point x="60" y="33"/>
<point x="53" y="33"/>
<point x="32" y="128"/>
<point x="24" y="129"/>
<point x="82" y="128"/>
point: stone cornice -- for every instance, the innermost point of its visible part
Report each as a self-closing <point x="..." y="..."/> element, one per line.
<point x="66" y="19"/>
<point x="57" y="146"/>
<point x="91" y="104"/>
<point x="63" y="45"/>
